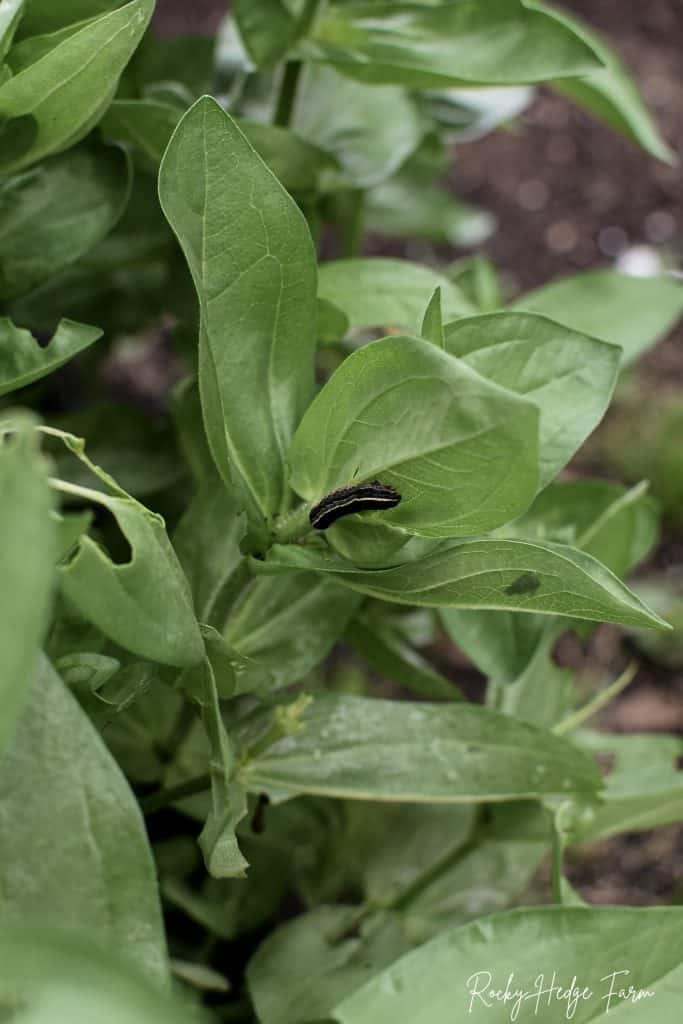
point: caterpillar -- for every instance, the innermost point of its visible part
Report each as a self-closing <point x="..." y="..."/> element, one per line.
<point x="347" y="500"/>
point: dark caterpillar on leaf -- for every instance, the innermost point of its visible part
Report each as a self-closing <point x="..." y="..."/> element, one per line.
<point x="347" y="500"/>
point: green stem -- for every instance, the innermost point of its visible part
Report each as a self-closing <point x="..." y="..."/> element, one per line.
<point x="164" y="797"/>
<point x="353" y="226"/>
<point x="558" y="857"/>
<point x="600" y="701"/>
<point x="288" y="92"/>
<point x="293" y="526"/>
<point x="434" y="873"/>
<point x="292" y="74"/>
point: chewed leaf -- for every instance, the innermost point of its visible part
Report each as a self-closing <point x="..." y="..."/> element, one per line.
<point x="23" y="360"/>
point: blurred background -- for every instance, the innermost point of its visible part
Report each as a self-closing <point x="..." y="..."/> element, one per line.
<point x="568" y="194"/>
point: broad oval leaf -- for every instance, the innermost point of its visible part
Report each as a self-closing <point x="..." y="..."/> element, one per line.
<point x="369" y="749"/>
<point x="379" y="292"/>
<point x="569" y="376"/>
<point x="596" y="950"/>
<point x="253" y="265"/>
<point x="500" y="42"/>
<point x="23" y="360"/>
<point x="641" y="309"/>
<point x="61" y="96"/>
<point x="460" y="451"/>
<point x="29" y="546"/>
<point x="57" y="212"/>
<point x="145" y="604"/>
<point x="553" y="579"/>
<point x="73" y="849"/>
<point x="47" y="16"/>
<point x="267" y="29"/>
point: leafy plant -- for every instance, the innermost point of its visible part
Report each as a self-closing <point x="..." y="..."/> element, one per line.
<point x="172" y="657"/>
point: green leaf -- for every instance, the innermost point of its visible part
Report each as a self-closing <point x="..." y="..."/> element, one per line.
<point x="11" y="12"/>
<point x="149" y="125"/>
<point x="633" y="312"/>
<point x="23" y="360"/>
<point x="54" y="214"/>
<point x="569" y="376"/>
<point x="602" y="949"/>
<point x="436" y="753"/>
<point x="369" y="132"/>
<point x="60" y="979"/>
<point x="144" y="604"/>
<point x="500" y="42"/>
<point x="252" y="261"/>
<point x="267" y="29"/>
<point x="611" y="94"/>
<point x="432" y="323"/>
<point x="405" y="412"/>
<point x="499" y="643"/>
<point x="46" y="16"/>
<point x="643" y="790"/>
<point x="480" y="876"/>
<point x="379" y="292"/>
<point x="502" y="574"/>
<point x="617" y="526"/>
<point x="29" y="545"/>
<point x="146" y="124"/>
<point x="307" y="965"/>
<point x="58" y="99"/>
<point x="73" y="849"/>
<point x="373" y="635"/>
<point x="542" y="693"/>
<point x="286" y="626"/>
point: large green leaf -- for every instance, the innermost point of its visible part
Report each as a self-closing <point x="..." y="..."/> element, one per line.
<point x="569" y="376"/>
<point x="369" y="131"/>
<point x="633" y="312"/>
<point x="11" y="12"/>
<point x="643" y="790"/>
<point x="253" y="264"/>
<point x="594" y="951"/>
<point x="553" y="579"/>
<point x="379" y="292"/>
<point x="408" y="413"/>
<point x="73" y="849"/>
<point x="57" y="212"/>
<point x="500" y="42"/>
<point x="435" y="753"/>
<point x="286" y="625"/>
<point x="499" y="643"/>
<point x="29" y="547"/>
<point x="611" y="94"/>
<point x="23" y="360"/>
<point x="59" y="979"/>
<point x="55" y="101"/>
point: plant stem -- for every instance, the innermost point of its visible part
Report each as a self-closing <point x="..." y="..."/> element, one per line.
<point x="288" y="91"/>
<point x="293" y="68"/>
<point x="352" y="228"/>
<point x="601" y="699"/>
<point x="293" y="526"/>
<point x="558" y="857"/>
<point x="164" y="797"/>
